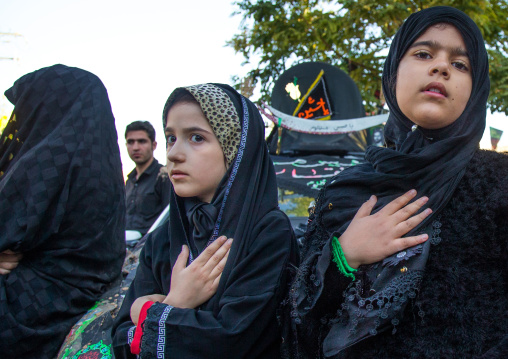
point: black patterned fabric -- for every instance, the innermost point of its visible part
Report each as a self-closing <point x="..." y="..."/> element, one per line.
<point x="461" y="310"/>
<point x="62" y="205"/>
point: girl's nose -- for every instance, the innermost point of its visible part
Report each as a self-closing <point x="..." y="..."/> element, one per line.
<point x="175" y="153"/>
<point x="440" y="67"/>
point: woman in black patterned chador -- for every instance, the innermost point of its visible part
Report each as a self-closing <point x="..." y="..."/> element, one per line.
<point x="197" y="294"/>
<point x="61" y="208"/>
<point x="377" y="283"/>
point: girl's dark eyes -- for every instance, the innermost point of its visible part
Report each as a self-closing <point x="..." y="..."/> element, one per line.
<point x="197" y="138"/>
<point x="170" y="139"/>
<point x="422" y="55"/>
<point x="460" y="65"/>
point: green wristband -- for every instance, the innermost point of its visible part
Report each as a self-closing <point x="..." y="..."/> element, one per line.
<point x="340" y="259"/>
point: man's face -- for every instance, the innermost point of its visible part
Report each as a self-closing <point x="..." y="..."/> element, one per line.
<point x="140" y="147"/>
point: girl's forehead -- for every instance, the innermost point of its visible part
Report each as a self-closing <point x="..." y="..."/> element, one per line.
<point x="442" y="36"/>
<point x="442" y="32"/>
<point x="183" y="114"/>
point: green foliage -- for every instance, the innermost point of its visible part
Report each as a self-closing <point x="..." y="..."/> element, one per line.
<point x="294" y="204"/>
<point x="353" y="35"/>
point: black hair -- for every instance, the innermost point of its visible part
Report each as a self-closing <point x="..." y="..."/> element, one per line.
<point x="180" y="95"/>
<point x="183" y="97"/>
<point x="141" y="126"/>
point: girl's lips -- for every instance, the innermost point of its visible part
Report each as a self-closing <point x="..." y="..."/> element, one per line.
<point x="436" y="89"/>
<point x="434" y="94"/>
<point x="178" y="174"/>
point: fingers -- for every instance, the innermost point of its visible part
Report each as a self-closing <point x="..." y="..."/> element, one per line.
<point x="8" y="265"/>
<point x="219" y="267"/>
<point x="366" y="208"/>
<point x="405" y="226"/>
<point x="8" y="261"/>
<point x="409" y="210"/>
<point x="10" y="256"/>
<point x="215" y="283"/>
<point x="398" y="203"/>
<point x="181" y="261"/>
<point x="407" y="242"/>
<point x="156" y="298"/>
<point x="193" y="285"/>
<point x="403" y="218"/>
<point x="219" y="257"/>
<point x="209" y="251"/>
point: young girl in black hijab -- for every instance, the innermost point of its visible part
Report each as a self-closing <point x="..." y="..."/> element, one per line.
<point x="358" y="292"/>
<point x="213" y="298"/>
<point x="62" y="207"/>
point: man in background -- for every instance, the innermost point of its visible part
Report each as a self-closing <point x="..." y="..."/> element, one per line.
<point x="147" y="187"/>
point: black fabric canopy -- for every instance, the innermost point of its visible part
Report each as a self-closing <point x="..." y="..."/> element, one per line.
<point x="308" y="174"/>
<point x="341" y="97"/>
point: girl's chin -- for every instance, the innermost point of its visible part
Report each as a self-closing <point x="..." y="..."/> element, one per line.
<point x="432" y="116"/>
<point x="432" y="120"/>
<point x="186" y="194"/>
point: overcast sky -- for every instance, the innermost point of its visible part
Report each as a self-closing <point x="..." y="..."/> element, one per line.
<point x="141" y="50"/>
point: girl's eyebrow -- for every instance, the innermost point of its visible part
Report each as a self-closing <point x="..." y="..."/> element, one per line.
<point x="188" y="129"/>
<point x="454" y="51"/>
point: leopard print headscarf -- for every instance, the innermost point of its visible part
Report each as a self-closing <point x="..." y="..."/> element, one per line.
<point x="220" y="113"/>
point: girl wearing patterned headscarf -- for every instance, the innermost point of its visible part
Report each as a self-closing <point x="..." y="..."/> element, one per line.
<point x="197" y="294"/>
<point x="62" y="206"/>
<point x="370" y="284"/>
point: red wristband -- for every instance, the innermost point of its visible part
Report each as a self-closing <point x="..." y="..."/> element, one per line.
<point x="136" y="341"/>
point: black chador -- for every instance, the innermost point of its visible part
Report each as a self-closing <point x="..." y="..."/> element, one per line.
<point x="62" y="205"/>
<point x="239" y="321"/>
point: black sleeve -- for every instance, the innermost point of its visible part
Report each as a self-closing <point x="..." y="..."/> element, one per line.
<point x="144" y="283"/>
<point x="498" y="197"/>
<point x="244" y="322"/>
<point x="309" y="301"/>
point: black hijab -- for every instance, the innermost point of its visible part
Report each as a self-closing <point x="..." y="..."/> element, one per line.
<point x="239" y="319"/>
<point x="430" y="161"/>
<point x="62" y="205"/>
<point x="59" y="149"/>
<point x="248" y="190"/>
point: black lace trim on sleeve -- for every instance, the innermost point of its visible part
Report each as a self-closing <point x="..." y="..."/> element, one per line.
<point x="153" y="342"/>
